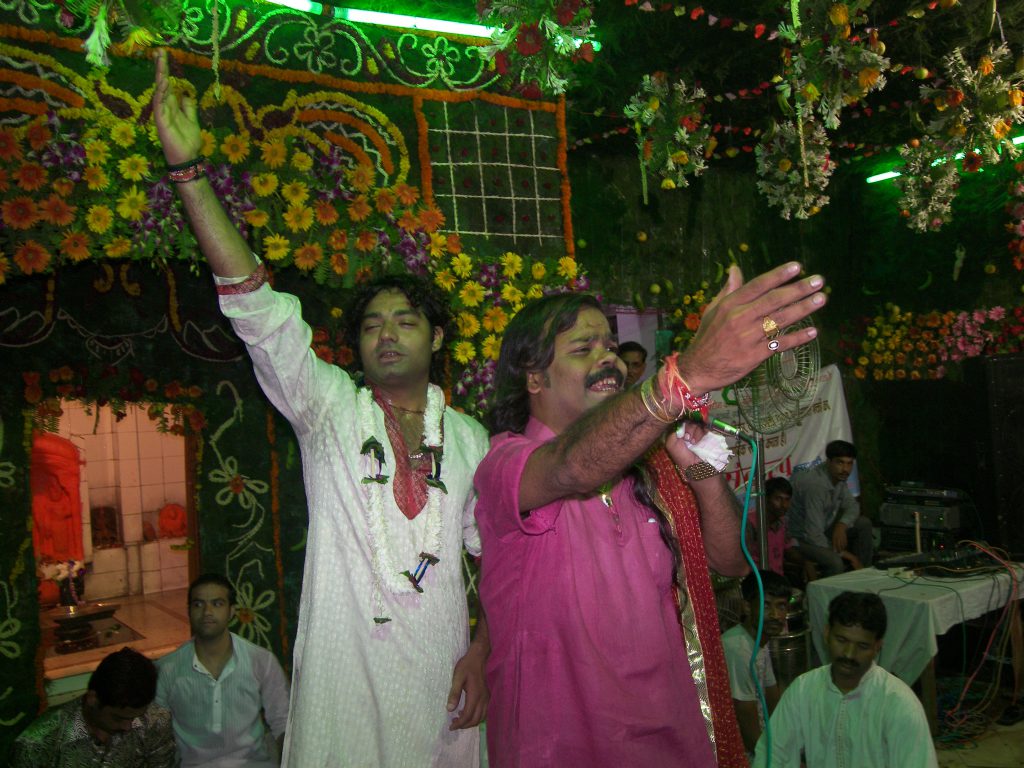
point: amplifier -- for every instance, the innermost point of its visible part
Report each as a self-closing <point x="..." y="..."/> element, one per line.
<point x="905" y="539"/>
<point x="916" y="493"/>
<point x="939" y="518"/>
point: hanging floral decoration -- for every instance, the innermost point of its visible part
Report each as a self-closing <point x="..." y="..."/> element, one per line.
<point x="141" y="23"/>
<point x="538" y="43"/>
<point x="974" y="112"/>
<point x="1015" y="207"/>
<point x="673" y="139"/>
<point x="795" y="166"/>
<point x="685" y="317"/>
<point x="827" y="66"/>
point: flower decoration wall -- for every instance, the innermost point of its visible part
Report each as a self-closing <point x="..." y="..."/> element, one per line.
<point x="672" y="136"/>
<point x="684" y="319"/>
<point x="794" y="164"/>
<point x="143" y="23"/>
<point x="1015" y="207"/>
<point x="537" y="43"/>
<point x="928" y="186"/>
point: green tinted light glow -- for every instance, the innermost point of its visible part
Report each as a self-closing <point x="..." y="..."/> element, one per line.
<point x="958" y="156"/>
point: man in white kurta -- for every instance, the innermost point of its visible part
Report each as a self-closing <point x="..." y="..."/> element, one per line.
<point x="380" y="661"/>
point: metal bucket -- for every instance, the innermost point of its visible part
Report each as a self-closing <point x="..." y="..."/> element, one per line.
<point x="791" y="656"/>
<point x="796" y="612"/>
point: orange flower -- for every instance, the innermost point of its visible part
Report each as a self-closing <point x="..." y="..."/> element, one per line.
<point x="366" y="241"/>
<point x="385" y="201"/>
<point x="867" y="78"/>
<point x="20" y="212"/>
<point x="308" y="256"/>
<point x="985" y="66"/>
<point x="75" y="246"/>
<point x="430" y="219"/>
<point x="359" y="209"/>
<point x="407" y="195"/>
<point x="692" y="321"/>
<point x="32" y="257"/>
<point x="54" y="210"/>
<point x="4" y="183"/>
<point x="337" y="240"/>
<point x="454" y="243"/>
<point x="118" y="247"/>
<point x="326" y="213"/>
<point x="63" y="187"/>
<point x="10" y="148"/>
<point x="38" y="135"/>
<point x="361" y="177"/>
<point x="407" y="221"/>
<point x="5" y="267"/>
<point x="339" y="262"/>
<point x="363" y="275"/>
<point x="30" y="176"/>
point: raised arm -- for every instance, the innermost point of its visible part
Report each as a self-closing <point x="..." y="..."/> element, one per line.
<point x="177" y="125"/>
<point x="731" y="342"/>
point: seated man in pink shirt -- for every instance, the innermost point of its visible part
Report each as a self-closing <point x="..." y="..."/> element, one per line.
<point x="596" y="570"/>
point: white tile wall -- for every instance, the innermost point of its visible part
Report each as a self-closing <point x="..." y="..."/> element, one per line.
<point x="131" y="528"/>
<point x="150" y="444"/>
<point x="108" y="561"/>
<point x="99" y="586"/>
<point x="152" y="496"/>
<point x="130" y="501"/>
<point x="150" y="556"/>
<point x="151" y="471"/>
<point x="172" y="558"/>
<point x="151" y="582"/>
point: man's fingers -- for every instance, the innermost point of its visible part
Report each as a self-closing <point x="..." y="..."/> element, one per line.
<point x="747" y="293"/>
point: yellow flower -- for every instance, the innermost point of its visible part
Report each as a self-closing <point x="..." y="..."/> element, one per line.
<point x="810" y="92"/>
<point x="99" y="218"/>
<point x="538" y="270"/>
<point x="301" y="161"/>
<point x="464" y="351"/>
<point x="472" y="293"/>
<point x="668" y="184"/>
<point x="445" y="279"/>
<point x="264" y="184"/>
<point x="839" y="14"/>
<point x="256" y="217"/>
<point x="275" y="247"/>
<point x="1000" y="129"/>
<point x="985" y="66"/>
<point x="511" y="264"/>
<point x="95" y="178"/>
<point x="1016" y="97"/>
<point x="132" y="204"/>
<point x="361" y="177"/>
<point x="491" y="347"/>
<point x="235" y="147"/>
<point x="97" y="152"/>
<point x="118" y="247"/>
<point x="867" y="78"/>
<point x="785" y="164"/>
<point x="680" y="157"/>
<point x="438" y="244"/>
<point x="123" y="133"/>
<point x="495" y="319"/>
<point x="295" y="192"/>
<point x="567" y="267"/>
<point x="467" y="324"/>
<point x="462" y="265"/>
<point x="298" y="217"/>
<point x="535" y="291"/>
<point x="511" y="294"/>
<point x="133" y="167"/>
<point x="273" y="153"/>
<point x="209" y="143"/>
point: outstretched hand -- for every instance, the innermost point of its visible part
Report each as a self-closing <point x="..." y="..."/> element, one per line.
<point x="175" y="115"/>
<point x="731" y="341"/>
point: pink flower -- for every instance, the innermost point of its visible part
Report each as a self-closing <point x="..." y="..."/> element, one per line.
<point x="979" y="316"/>
<point x="996" y="313"/>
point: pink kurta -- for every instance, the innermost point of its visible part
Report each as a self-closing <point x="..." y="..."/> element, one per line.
<point x="588" y="666"/>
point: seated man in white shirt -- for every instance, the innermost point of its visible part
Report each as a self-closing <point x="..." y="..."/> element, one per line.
<point x="738" y="644"/>
<point x="851" y="712"/>
<point x="223" y="691"/>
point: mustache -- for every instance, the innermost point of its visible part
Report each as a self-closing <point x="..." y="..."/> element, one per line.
<point x="601" y="375"/>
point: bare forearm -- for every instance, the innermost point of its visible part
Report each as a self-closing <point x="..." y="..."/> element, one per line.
<point x="225" y="250"/>
<point x="720" y="525"/>
<point x="595" y="449"/>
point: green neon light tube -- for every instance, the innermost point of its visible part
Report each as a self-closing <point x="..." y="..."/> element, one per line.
<point x="958" y="156"/>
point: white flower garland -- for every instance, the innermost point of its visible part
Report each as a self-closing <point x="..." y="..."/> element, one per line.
<point x="387" y="572"/>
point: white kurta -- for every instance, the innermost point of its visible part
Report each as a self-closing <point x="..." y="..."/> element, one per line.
<point x="364" y="694"/>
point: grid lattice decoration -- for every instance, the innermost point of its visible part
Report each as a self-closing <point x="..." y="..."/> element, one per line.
<point x="497" y="171"/>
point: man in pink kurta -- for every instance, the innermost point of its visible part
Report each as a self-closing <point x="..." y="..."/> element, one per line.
<point x="587" y="656"/>
<point x="588" y="663"/>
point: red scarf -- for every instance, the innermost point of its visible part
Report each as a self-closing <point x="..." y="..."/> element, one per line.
<point x="679" y="501"/>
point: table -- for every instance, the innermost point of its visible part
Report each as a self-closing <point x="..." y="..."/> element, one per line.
<point x="919" y="609"/>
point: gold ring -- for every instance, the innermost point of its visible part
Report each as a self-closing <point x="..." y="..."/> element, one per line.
<point x="769" y="326"/>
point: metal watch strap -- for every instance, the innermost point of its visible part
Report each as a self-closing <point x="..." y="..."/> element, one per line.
<point x="700" y="471"/>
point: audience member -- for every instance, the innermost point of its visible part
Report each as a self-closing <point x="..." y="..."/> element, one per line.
<point x="850" y="712"/>
<point x="115" y="723"/>
<point x="383" y="669"/>
<point x="634" y="355"/>
<point x="824" y="517"/>
<point x="738" y="643"/>
<point x="220" y="687"/>
<point x="591" y="562"/>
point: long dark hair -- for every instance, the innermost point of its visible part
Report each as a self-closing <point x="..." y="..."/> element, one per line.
<point x="422" y="295"/>
<point x="529" y="345"/>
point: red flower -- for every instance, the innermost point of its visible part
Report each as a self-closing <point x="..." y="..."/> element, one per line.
<point x="972" y="162"/>
<point x="501" y="63"/>
<point x="954" y="97"/>
<point x="566" y="11"/>
<point x="690" y="124"/>
<point x="529" y="40"/>
<point x="530" y="90"/>
<point x="584" y="53"/>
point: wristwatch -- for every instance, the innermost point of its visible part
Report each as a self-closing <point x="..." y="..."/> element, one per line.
<point x="700" y="471"/>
